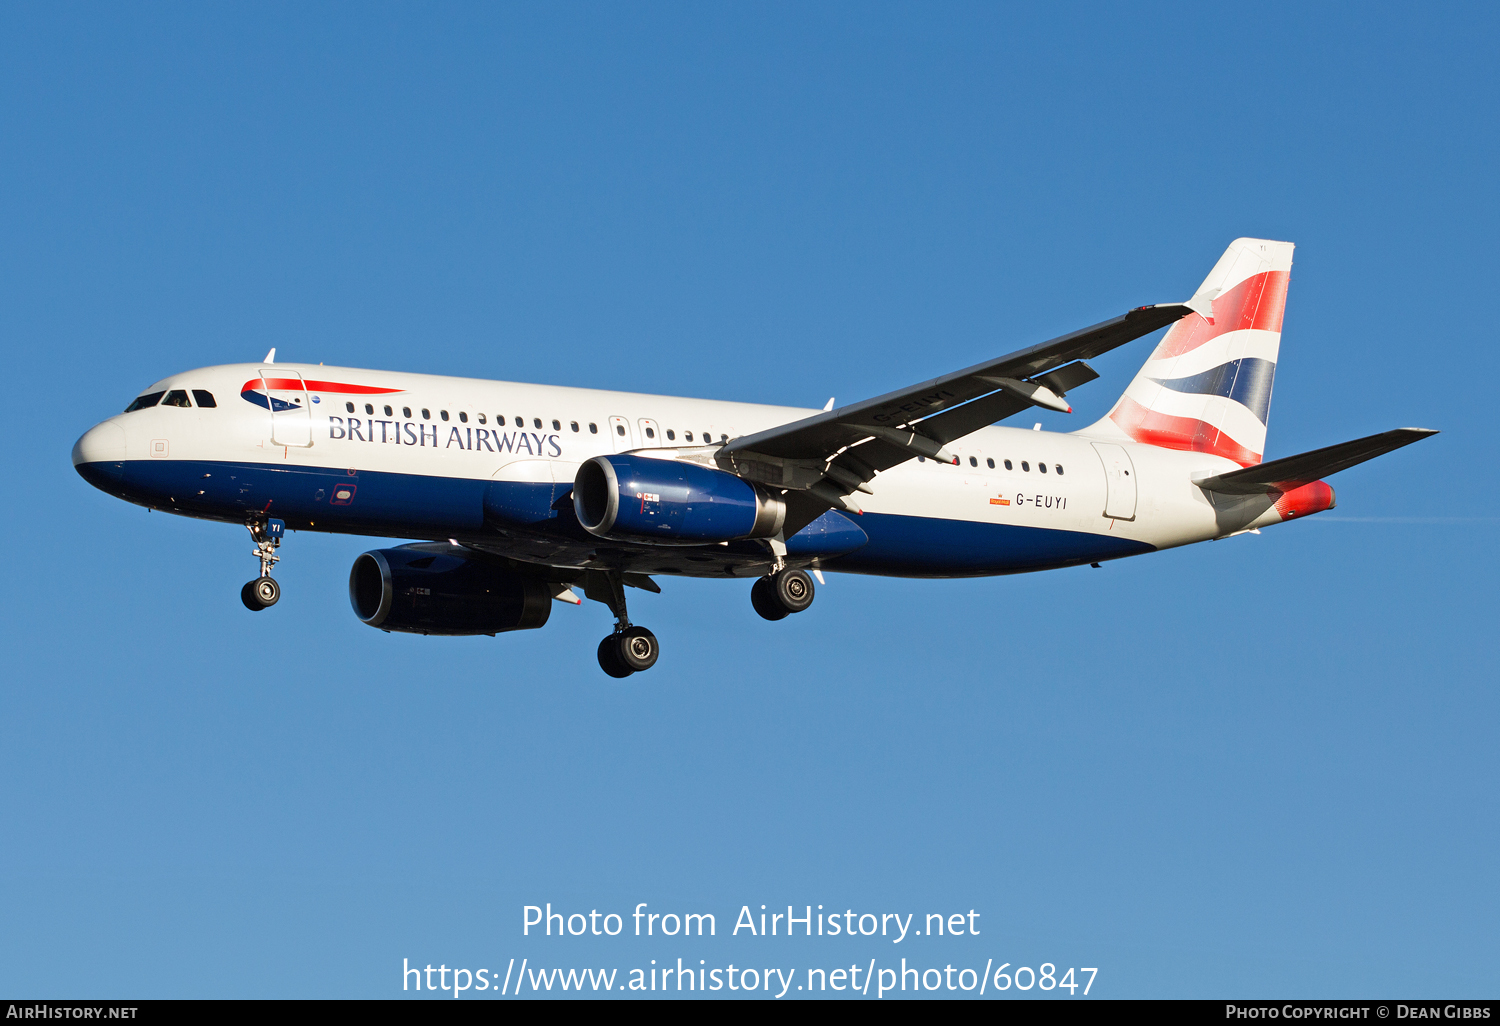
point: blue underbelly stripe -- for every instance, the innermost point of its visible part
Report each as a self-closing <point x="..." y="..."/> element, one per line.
<point x="929" y="547"/>
<point x="417" y="506"/>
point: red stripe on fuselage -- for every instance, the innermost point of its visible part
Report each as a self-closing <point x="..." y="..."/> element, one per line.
<point x="1187" y="434"/>
<point x="1257" y="302"/>
<point x="295" y="385"/>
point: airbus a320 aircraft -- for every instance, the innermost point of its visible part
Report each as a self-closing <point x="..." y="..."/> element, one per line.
<point x="520" y="493"/>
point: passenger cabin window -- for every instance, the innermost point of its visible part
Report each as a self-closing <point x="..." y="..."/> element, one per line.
<point x="991" y="464"/>
<point x="1008" y="466"/>
<point x="671" y="435"/>
<point x="406" y="412"/>
<point x="593" y="429"/>
<point x="177" y="397"/>
<point x="557" y="425"/>
<point x="205" y="400"/>
<point x="650" y="432"/>
<point x="426" y="414"/>
<point x="143" y="402"/>
<point x="620" y="429"/>
<point x="481" y="417"/>
<point x="387" y="411"/>
<point x="687" y="436"/>
<point x="1026" y="466"/>
<point x="349" y="407"/>
<point x="520" y="422"/>
<point x="463" y="418"/>
<point x="536" y="422"/>
<point x="1042" y="467"/>
<point x="574" y="426"/>
<point x="369" y="409"/>
<point x="1057" y="467"/>
<point x="443" y="414"/>
<point x="973" y="462"/>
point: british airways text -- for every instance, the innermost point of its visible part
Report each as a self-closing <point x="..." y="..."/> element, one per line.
<point x="396" y="432"/>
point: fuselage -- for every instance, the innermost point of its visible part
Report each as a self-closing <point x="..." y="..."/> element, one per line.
<point x="392" y="454"/>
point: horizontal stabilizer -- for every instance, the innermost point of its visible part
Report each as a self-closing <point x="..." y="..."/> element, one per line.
<point x="1295" y="471"/>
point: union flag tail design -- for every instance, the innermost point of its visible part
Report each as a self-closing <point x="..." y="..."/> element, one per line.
<point x="1207" y="387"/>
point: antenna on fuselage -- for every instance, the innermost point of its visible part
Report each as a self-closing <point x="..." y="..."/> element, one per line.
<point x="271" y="356"/>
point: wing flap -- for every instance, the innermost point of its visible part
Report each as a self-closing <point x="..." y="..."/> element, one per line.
<point x="970" y="417"/>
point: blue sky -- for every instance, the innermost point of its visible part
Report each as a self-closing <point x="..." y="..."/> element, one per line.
<point x="1259" y="767"/>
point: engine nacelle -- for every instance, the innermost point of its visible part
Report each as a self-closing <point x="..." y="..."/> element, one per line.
<point x="419" y="592"/>
<point x="640" y="499"/>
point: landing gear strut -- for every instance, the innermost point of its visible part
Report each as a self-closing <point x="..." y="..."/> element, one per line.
<point x="782" y="594"/>
<point x="629" y="649"/>
<point x="263" y="592"/>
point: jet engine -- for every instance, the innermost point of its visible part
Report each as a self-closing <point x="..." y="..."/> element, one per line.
<point x="420" y="592"/>
<point x="666" y="502"/>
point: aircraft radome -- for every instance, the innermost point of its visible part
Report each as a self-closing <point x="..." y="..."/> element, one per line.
<point x="517" y="494"/>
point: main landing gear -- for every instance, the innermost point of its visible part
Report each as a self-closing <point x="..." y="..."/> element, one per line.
<point x="782" y="594"/>
<point x="629" y="649"/>
<point x="264" y="592"/>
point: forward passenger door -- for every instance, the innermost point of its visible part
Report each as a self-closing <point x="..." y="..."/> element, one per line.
<point x="291" y="412"/>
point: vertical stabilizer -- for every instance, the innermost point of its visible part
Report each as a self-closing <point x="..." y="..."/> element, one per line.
<point x="1207" y="387"/>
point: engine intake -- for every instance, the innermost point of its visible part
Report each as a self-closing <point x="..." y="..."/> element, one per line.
<point x="419" y="592"/>
<point x="641" y="499"/>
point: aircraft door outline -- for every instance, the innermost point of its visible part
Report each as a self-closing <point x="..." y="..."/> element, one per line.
<point x="620" y="435"/>
<point x="1119" y="481"/>
<point x="291" y="427"/>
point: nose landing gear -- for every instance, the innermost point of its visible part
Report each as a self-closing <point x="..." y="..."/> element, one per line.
<point x="630" y="649"/>
<point x="782" y="594"/>
<point x="264" y="592"/>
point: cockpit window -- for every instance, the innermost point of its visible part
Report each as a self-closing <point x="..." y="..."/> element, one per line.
<point x="204" y="399"/>
<point x="145" y="401"/>
<point x="177" y="397"/>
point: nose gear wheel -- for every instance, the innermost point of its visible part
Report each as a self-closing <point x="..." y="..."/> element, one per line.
<point x="261" y="593"/>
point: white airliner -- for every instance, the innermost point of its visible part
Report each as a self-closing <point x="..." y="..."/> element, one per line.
<point x="519" y="493"/>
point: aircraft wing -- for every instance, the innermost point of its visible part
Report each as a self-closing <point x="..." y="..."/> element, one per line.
<point x="1294" y="471"/>
<point x="831" y="455"/>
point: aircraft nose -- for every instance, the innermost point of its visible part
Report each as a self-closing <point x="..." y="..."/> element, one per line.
<point x="99" y="456"/>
